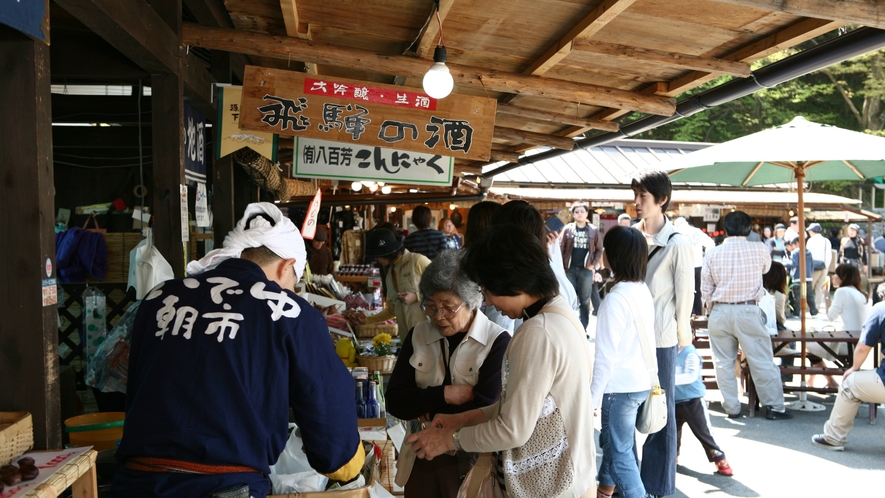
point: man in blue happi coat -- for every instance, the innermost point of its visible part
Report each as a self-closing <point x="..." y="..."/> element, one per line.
<point x="218" y="358"/>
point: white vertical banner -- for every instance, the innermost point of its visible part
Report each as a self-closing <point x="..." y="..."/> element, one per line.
<point x="309" y="229"/>
<point x="201" y="209"/>
<point x="185" y="223"/>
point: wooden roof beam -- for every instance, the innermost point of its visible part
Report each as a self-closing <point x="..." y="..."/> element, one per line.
<point x="586" y="27"/>
<point x="294" y="49"/>
<point x="671" y="59"/>
<point x="500" y="155"/>
<point x="531" y="137"/>
<point x="570" y="119"/>
<point x="803" y="30"/>
<point x="429" y="37"/>
<point x="295" y="28"/>
<point x="214" y="13"/>
<point x="867" y="12"/>
<point x="133" y="28"/>
<point x="138" y="31"/>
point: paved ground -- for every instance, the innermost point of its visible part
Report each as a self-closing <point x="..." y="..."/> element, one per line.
<point x="776" y="458"/>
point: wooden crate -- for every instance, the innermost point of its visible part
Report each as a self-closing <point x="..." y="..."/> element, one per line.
<point x="119" y="245"/>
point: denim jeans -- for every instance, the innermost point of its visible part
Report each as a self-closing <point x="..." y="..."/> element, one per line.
<point x="587" y="291"/>
<point x="620" y="467"/>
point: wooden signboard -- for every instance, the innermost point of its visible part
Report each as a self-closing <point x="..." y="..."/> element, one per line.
<point x="344" y="110"/>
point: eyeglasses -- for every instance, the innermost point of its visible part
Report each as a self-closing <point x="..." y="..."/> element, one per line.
<point x="431" y="310"/>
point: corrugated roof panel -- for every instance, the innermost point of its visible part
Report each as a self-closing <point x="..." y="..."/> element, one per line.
<point x="588" y="168"/>
<point x="553" y="170"/>
<point x="572" y="169"/>
<point x="533" y="174"/>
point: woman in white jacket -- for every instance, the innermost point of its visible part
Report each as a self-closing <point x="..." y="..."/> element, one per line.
<point x="621" y="377"/>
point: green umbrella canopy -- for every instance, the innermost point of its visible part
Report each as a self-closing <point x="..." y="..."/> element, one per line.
<point x="772" y="156"/>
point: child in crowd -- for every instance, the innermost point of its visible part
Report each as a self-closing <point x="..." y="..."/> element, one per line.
<point x="691" y="407"/>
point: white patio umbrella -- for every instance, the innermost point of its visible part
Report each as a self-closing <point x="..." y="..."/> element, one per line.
<point x="798" y="151"/>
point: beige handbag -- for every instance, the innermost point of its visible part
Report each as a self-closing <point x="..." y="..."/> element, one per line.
<point x="407" y="456"/>
<point x="481" y="481"/>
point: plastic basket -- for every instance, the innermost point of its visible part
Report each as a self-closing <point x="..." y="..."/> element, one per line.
<point x="102" y="431"/>
<point x="16" y="435"/>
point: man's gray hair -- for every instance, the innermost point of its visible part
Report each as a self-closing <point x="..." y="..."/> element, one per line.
<point x="442" y="275"/>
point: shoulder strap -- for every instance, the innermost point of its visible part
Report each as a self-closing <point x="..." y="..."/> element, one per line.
<point x="639" y="322"/>
<point x="651" y="254"/>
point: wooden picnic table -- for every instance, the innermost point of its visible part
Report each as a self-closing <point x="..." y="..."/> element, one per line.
<point x="823" y="338"/>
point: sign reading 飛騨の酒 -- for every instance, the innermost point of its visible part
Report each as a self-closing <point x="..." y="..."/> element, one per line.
<point x="347" y="161"/>
<point x="356" y="112"/>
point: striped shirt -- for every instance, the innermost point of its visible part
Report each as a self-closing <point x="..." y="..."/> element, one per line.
<point x="428" y="242"/>
<point x="733" y="271"/>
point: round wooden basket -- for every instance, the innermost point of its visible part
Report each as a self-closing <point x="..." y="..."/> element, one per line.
<point x="383" y="364"/>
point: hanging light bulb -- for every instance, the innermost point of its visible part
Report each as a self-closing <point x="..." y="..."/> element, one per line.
<point x="438" y="82"/>
<point x="386" y="189"/>
<point x="356" y="186"/>
<point x="452" y="206"/>
<point x="373" y="187"/>
<point x="393" y="209"/>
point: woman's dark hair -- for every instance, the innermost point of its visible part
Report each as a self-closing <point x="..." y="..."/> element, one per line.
<point x="421" y="217"/>
<point x="737" y="224"/>
<point x="479" y="218"/>
<point x="775" y="279"/>
<point x="523" y="214"/>
<point x="627" y="253"/>
<point x="850" y="277"/>
<point x="656" y="183"/>
<point x="522" y="267"/>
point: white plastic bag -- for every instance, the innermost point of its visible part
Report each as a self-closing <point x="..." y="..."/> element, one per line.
<point x="147" y="267"/>
<point x="292" y="472"/>
<point x="769" y="313"/>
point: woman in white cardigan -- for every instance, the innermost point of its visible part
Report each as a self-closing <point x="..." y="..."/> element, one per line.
<point x="849" y="302"/>
<point x="541" y="428"/>
<point x="621" y="377"/>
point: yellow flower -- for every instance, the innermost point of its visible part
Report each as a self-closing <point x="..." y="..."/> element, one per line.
<point x="381" y="343"/>
<point x="381" y="339"/>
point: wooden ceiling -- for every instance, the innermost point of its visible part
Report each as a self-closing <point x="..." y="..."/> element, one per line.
<point x="557" y="67"/>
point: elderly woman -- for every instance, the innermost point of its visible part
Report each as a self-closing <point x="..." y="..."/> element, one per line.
<point x="542" y="427"/>
<point x="450" y="364"/>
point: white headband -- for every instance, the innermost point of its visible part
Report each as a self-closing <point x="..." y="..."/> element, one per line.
<point x="266" y="227"/>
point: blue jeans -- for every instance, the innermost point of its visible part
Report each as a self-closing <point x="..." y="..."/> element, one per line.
<point x="582" y="280"/>
<point x="659" y="451"/>
<point x="620" y="467"/>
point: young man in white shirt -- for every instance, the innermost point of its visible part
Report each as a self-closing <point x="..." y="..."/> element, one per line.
<point x="822" y="253"/>
<point x="670" y="278"/>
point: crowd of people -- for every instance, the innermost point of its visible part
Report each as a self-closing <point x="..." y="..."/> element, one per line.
<point x="495" y="373"/>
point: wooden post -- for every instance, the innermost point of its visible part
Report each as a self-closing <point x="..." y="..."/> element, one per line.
<point x="29" y="335"/>
<point x="168" y="168"/>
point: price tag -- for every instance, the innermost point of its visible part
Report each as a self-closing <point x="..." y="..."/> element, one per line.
<point x="374" y="281"/>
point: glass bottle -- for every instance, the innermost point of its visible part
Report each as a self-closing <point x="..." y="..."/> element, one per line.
<point x="372" y="402"/>
<point x="382" y="404"/>
<point x="360" y="400"/>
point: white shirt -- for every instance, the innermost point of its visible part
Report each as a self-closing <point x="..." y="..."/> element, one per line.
<point x="852" y="306"/>
<point x="821" y="249"/>
<point x="699" y="240"/>
<point x="619" y="365"/>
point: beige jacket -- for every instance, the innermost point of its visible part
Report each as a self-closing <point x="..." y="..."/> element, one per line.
<point x="547" y="355"/>
<point x="670" y="278"/>
<point x="403" y="275"/>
